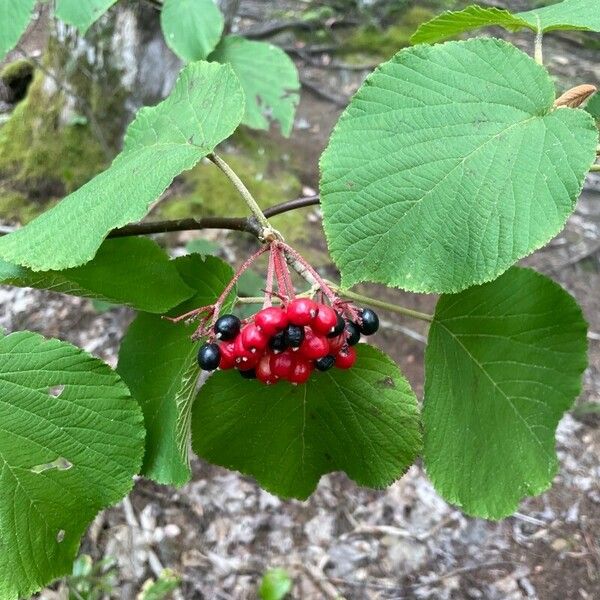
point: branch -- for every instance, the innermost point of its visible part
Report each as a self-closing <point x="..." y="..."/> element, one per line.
<point x="247" y="225"/>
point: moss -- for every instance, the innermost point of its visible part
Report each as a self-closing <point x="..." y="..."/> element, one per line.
<point x="382" y="44"/>
<point x="18" y="208"/>
<point x="17" y="69"/>
<point x="206" y="191"/>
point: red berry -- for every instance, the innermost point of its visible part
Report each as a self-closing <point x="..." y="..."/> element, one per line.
<point x="346" y="358"/>
<point x="300" y="372"/>
<point x="325" y="320"/>
<point x="336" y="344"/>
<point x="227" y="355"/>
<point x="281" y="364"/>
<point x="314" y="346"/>
<point x="263" y="370"/>
<point x="301" y="311"/>
<point x="271" y="320"/>
<point x="243" y="357"/>
<point x="253" y="338"/>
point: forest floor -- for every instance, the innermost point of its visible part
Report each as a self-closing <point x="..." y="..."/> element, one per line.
<point x="221" y="532"/>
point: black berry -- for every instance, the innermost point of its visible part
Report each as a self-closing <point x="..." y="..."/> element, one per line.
<point x="325" y="363"/>
<point x="369" y="321"/>
<point x="294" y="336"/>
<point x="353" y="333"/>
<point x="248" y="374"/>
<point x="339" y="327"/>
<point x="227" y="327"/>
<point x="278" y="342"/>
<point x="209" y="357"/>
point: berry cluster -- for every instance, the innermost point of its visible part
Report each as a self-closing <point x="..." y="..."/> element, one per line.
<point x="286" y="343"/>
<point x="282" y="342"/>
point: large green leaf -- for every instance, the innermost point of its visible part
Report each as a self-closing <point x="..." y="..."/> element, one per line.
<point x="269" y="78"/>
<point x="82" y="13"/>
<point x="192" y="28"/>
<point x="157" y="360"/>
<point x="14" y="18"/>
<point x="71" y="441"/>
<point x="363" y="421"/>
<point x="569" y="14"/>
<point x="130" y="271"/>
<point x="205" y="107"/>
<point x="446" y="168"/>
<point x="593" y="106"/>
<point x="503" y="363"/>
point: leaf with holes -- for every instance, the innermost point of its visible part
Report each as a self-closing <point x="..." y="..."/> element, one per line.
<point x="503" y="363"/>
<point x="205" y="107"/>
<point x="82" y="13"/>
<point x="157" y="360"/>
<point x="445" y="168"/>
<point x="363" y="421"/>
<point x="192" y="28"/>
<point x="72" y="440"/>
<point x="14" y="18"/>
<point x="131" y="271"/>
<point x="567" y="15"/>
<point x="269" y="78"/>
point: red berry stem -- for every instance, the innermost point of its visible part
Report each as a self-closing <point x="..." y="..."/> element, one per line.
<point x="269" y="286"/>
<point x="303" y="267"/>
<point x="287" y="287"/>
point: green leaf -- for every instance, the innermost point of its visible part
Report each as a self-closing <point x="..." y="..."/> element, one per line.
<point x="130" y="271"/>
<point x="82" y="13"/>
<point x="14" y="18"/>
<point x="503" y="363"/>
<point x="202" y="247"/>
<point x="593" y="106"/>
<point x="192" y="28"/>
<point x="269" y="78"/>
<point x="72" y="440"/>
<point x="276" y="584"/>
<point x="570" y="14"/>
<point x="205" y="107"/>
<point x="363" y="421"/>
<point x="157" y="360"/>
<point x="446" y="169"/>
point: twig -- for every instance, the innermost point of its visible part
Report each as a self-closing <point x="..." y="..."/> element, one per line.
<point x="266" y="231"/>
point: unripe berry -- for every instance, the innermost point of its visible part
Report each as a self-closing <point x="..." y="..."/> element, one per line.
<point x="227" y="355"/>
<point x="227" y="327"/>
<point x="301" y="311"/>
<point x="294" y="335"/>
<point x="209" y="357"/>
<point x="300" y="372"/>
<point x="325" y="363"/>
<point x="352" y="333"/>
<point x="336" y="344"/>
<point x="253" y="338"/>
<point x="345" y="358"/>
<point x="314" y="346"/>
<point x="339" y="327"/>
<point x="243" y="357"/>
<point x="263" y="371"/>
<point x="271" y="320"/>
<point x="325" y="320"/>
<point x="369" y="323"/>
<point x="281" y="364"/>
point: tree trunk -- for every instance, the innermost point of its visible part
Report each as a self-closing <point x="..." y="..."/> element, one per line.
<point x="84" y="93"/>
